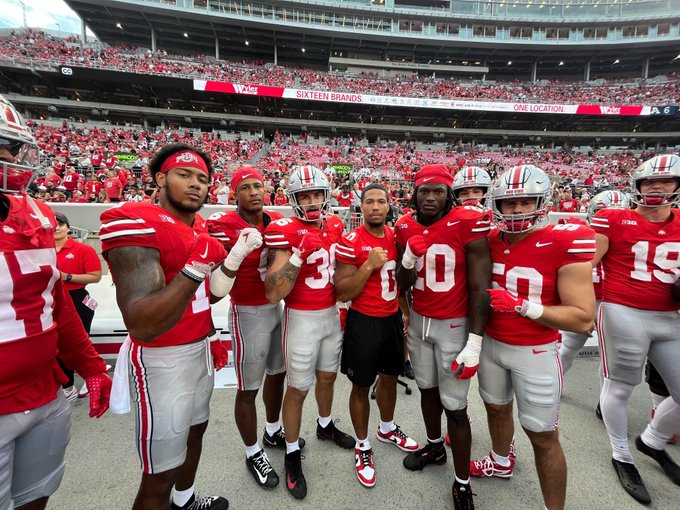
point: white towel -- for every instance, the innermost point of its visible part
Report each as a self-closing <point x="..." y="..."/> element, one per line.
<point x="120" y="391"/>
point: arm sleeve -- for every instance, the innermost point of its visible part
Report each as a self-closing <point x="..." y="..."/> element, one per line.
<point x="124" y="226"/>
<point x="275" y="237"/>
<point x="579" y="245"/>
<point x="344" y="250"/>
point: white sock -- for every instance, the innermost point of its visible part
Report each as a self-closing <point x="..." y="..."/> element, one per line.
<point x="462" y="482"/>
<point x="363" y="444"/>
<point x="387" y="426"/>
<point x="324" y="422"/>
<point x="272" y="428"/>
<point x="613" y="402"/>
<point x="665" y="423"/>
<point x="252" y="450"/>
<point x="435" y="441"/>
<point x="503" y="461"/>
<point x="181" y="498"/>
<point x="291" y="447"/>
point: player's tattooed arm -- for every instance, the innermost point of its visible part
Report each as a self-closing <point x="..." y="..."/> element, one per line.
<point x="281" y="275"/>
<point x="479" y="279"/>
<point x="149" y="306"/>
<point x="405" y="277"/>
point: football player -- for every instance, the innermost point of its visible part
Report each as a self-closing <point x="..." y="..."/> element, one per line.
<point x="38" y="321"/>
<point x="161" y="257"/>
<point x="572" y="342"/>
<point x="301" y="270"/>
<point x="445" y="261"/>
<point x="254" y="322"/>
<point x="638" y="318"/>
<point x="374" y="340"/>
<point x="541" y="283"/>
<point x="471" y="186"/>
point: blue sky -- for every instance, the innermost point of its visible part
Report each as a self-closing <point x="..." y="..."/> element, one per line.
<point x="49" y="14"/>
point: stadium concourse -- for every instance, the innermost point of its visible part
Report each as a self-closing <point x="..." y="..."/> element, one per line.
<point x="36" y="48"/>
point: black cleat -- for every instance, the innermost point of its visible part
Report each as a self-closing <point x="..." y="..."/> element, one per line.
<point x="668" y="465"/>
<point x="598" y="412"/>
<point x="278" y="440"/>
<point x="262" y="470"/>
<point x="334" y="434"/>
<point x="203" y="503"/>
<point x="462" y="496"/>
<point x="631" y="481"/>
<point x="295" y="479"/>
<point x="431" y="453"/>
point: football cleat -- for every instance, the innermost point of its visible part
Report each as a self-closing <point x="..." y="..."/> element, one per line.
<point x="431" y="453"/>
<point x="203" y="503"/>
<point x="668" y="465"/>
<point x="462" y="496"/>
<point x="487" y="467"/>
<point x="71" y="394"/>
<point x="278" y="439"/>
<point x="363" y="460"/>
<point x="331" y="432"/>
<point x="398" y="439"/>
<point x="295" y="479"/>
<point x="631" y="481"/>
<point x="261" y="469"/>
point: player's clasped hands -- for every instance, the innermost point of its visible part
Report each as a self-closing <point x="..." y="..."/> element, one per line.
<point x="248" y="240"/>
<point x="503" y="300"/>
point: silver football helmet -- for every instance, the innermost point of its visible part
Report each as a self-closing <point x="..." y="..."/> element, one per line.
<point x="19" y="154"/>
<point x="659" y="167"/>
<point x="521" y="181"/>
<point x="308" y="178"/>
<point x="471" y="177"/>
<point x="607" y="200"/>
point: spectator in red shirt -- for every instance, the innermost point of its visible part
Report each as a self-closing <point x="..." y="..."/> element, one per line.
<point x="113" y="187"/>
<point x="345" y="197"/>
<point x="280" y="198"/>
<point x="568" y="204"/>
<point x="52" y="179"/>
<point x="71" y="180"/>
<point x="92" y="186"/>
<point x="79" y="265"/>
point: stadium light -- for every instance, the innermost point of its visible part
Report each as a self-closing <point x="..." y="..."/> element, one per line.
<point x="509" y="62"/>
<point x="118" y="25"/>
<point x="617" y="61"/>
<point x="561" y="62"/>
<point x="186" y="35"/>
<point x="247" y="43"/>
<point x="303" y="50"/>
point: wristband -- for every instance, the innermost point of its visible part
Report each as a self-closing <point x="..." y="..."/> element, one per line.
<point x="220" y="283"/>
<point x="531" y="310"/>
<point x="193" y="274"/>
<point x="295" y="260"/>
<point x="408" y="260"/>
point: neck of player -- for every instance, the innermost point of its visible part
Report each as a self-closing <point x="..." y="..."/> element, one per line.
<point x="255" y="218"/>
<point x="654" y="214"/>
<point x="377" y="230"/>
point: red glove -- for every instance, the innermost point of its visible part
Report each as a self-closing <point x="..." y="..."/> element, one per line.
<point x="503" y="301"/>
<point x="99" y="386"/>
<point x="467" y="362"/>
<point x="416" y="247"/>
<point x="219" y="353"/>
<point x="310" y="243"/>
<point x="206" y="253"/>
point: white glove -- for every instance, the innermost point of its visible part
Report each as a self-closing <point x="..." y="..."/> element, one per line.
<point x="248" y="240"/>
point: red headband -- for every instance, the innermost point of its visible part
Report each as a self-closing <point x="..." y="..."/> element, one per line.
<point x="245" y="172"/>
<point x="434" y="174"/>
<point x="184" y="159"/>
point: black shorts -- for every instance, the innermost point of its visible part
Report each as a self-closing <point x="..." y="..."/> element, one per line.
<point x="372" y="345"/>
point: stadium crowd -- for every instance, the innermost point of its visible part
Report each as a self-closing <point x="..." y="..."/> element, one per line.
<point x="38" y="48"/>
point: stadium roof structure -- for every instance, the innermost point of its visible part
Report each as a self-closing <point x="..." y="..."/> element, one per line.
<point x="310" y="33"/>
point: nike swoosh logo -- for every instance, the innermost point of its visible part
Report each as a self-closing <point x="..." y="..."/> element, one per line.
<point x="454" y="326"/>
<point x="536" y="351"/>
<point x="425" y="179"/>
<point x="259" y="475"/>
<point x="205" y="253"/>
<point x="33" y="216"/>
<point x="451" y="223"/>
<point x="245" y="176"/>
<point x="540" y="245"/>
<point x="290" y="484"/>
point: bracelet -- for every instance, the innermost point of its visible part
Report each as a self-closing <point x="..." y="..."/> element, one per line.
<point x="192" y="275"/>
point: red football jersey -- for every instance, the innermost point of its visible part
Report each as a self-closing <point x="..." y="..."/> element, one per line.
<point x="643" y="259"/>
<point x="568" y="206"/>
<point x="37" y="318"/>
<point x="313" y="289"/>
<point x="440" y="290"/>
<point x="92" y="188"/>
<point x="380" y="296"/>
<point x="529" y="269"/>
<point x="151" y="226"/>
<point x="248" y="286"/>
